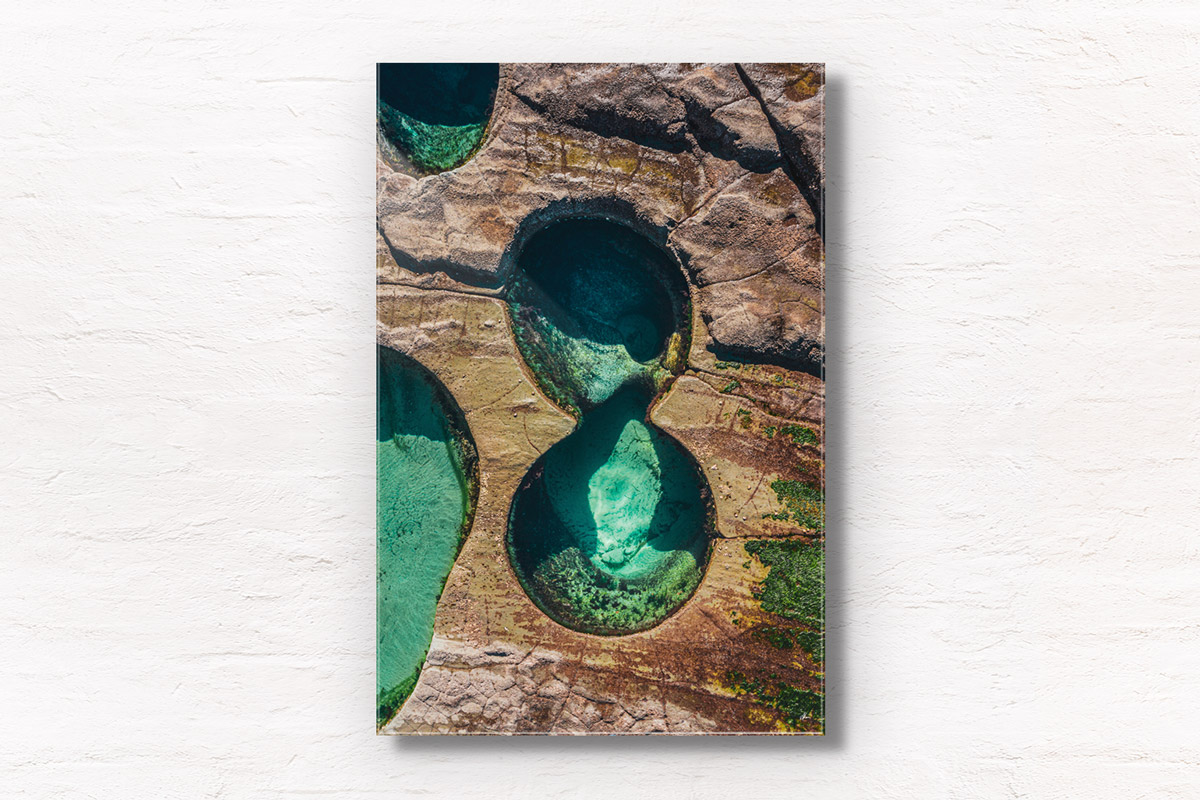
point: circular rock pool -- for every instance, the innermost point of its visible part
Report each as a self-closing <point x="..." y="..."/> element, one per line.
<point x="609" y="530"/>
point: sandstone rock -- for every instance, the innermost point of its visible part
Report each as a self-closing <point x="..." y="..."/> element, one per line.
<point x="728" y="435"/>
<point x="794" y="99"/>
<point x="622" y="100"/>
<point x="662" y="106"/>
<point x="497" y="663"/>
<point x="722" y="116"/>
<point x="757" y="260"/>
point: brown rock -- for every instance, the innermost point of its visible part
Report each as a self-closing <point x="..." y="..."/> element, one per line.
<point x="793" y="96"/>
<point x="726" y="434"/>
<point x="758" y="262"/>
<point x="686" y="155"/>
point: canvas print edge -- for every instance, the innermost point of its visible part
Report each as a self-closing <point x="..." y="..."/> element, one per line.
<point x="661" y="412"/>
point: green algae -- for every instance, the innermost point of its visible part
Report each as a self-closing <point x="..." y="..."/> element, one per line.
<point x="800" y="434"/>
<point x="803" y="503"/>
<point x="793" y="590"/>
<point x="434" y="116"/>
<point x="608" y="531"/>
<point x="430" y="148"/>
<point x="795" y="584"/>
<point x="426" y="483"/>
<point x="795" y="706"/>
<point x="812" y="642"/>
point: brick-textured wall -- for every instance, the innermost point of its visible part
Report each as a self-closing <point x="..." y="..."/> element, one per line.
<point x="186" y="400"/>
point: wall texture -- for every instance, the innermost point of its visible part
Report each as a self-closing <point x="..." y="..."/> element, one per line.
<point x="186" y="407"/>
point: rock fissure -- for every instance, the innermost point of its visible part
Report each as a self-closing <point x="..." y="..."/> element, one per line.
<point x="799" y="167"/>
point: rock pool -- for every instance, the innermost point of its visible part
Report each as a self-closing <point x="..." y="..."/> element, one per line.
<point x="432" y="117"/>
<point x="609" y="530"/>
<point x="426" y="478"/>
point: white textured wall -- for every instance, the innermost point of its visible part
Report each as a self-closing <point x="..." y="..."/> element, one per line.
<point x="186" y="400"/>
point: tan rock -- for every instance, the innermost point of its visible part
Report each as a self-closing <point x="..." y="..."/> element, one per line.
<point x="758" y="264"/>
<point x="497" y="662"/>
<point x="725" y="432"/>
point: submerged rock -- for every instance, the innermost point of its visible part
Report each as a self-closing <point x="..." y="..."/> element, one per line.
<point x="608" y="531"/>
<point x="594" y="306"/>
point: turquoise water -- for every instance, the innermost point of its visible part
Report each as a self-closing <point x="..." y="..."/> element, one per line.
<point x="425" y="483"/>
<point x="608" y="531"/>
<point x="435" y="115"/>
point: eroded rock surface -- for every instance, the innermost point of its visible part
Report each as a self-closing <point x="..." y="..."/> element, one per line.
<point x="793" y="98"/>
<point x="685" y="153"/>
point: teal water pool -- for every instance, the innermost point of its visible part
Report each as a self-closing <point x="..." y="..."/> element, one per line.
<point x="609" y="530"/>
<point x="426" y="478"/>
<point x="434" y="116"/>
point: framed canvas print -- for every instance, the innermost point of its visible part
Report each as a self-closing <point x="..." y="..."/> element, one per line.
<point x="600" y="339"/>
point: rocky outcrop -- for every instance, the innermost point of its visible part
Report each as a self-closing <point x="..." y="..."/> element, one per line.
<point x="499" y="688"/>
<point x="497" y="662"/>
<point x="740" y="449"/>
<point x="792" y="97"/>
<point x="757" y="263"/>
<point x="684" y="153"/>
<point x="672" y="107"/>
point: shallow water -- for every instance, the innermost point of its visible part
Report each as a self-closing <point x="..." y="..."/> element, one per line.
<point x="608" y="532"/>
<point x="424" y="464"/>
<point x="435" y="115"/>
<point x="608" y="529"/>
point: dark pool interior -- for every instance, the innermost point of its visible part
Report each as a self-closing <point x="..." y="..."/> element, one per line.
<point x="434" y="116"/>
<point x="595" y="305"/>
